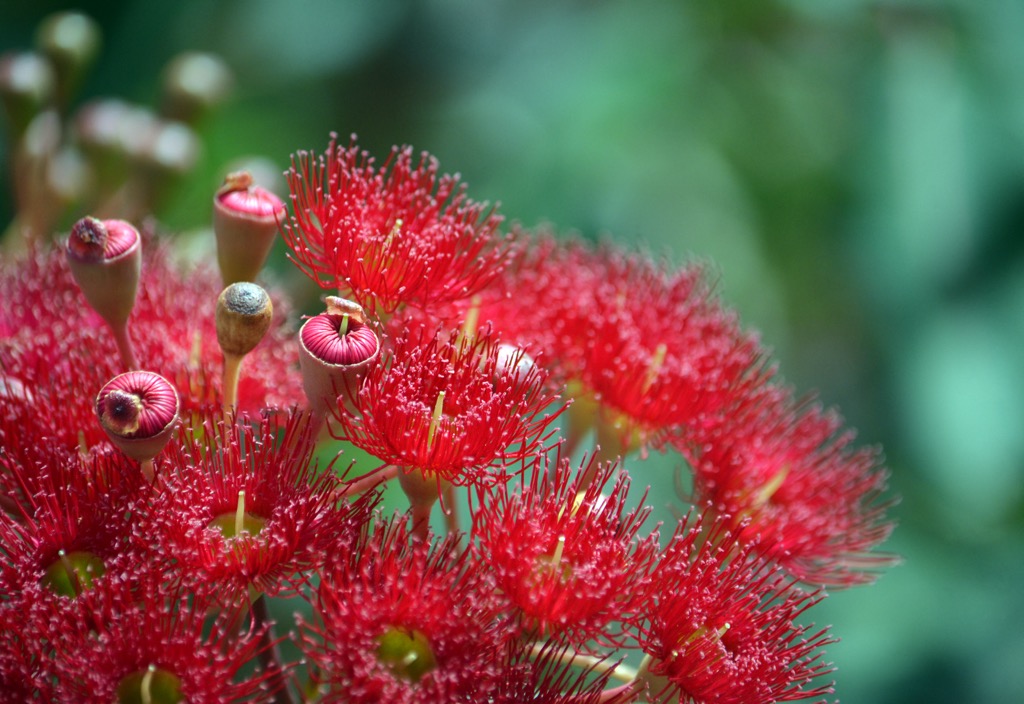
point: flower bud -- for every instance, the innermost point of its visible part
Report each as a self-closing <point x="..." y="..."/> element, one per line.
<point x="138" y="410"/>
<point x="336" y="350"/>
<point x="193" y="84"/>
<point x="167" y="154"/>
<point x="515" y="362"/>
<point x="71" y="40"/>
<point x="100" y="134"/>
<point x="244" y="312"/>
<point x="245" y="221"/>
<point x="105" y="257"/>
<point x="27" y="85"/>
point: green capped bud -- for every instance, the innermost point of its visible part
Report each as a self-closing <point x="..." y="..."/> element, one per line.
<point x="194" y="83"/>
<point x="27" y="86"/>
<point x="71" y="40"/>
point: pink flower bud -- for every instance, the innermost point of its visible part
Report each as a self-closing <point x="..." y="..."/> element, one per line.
<point x="336" y="350"/>
<point x="138" y="410"/>
<point x="105" y="258"/>
<point x="245" y="221"/>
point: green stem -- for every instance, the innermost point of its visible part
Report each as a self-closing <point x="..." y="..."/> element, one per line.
<point x="124" y="346"/>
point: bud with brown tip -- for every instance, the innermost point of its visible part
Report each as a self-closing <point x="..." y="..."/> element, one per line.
<point x="105" y="257"/>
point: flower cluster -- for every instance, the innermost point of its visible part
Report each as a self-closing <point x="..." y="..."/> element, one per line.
<point x="173" y="478"/>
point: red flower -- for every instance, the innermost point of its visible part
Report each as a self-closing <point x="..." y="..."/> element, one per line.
<point x="71" y="531"/>
<point x="451" y="407"/>
<point x="667" y="356"/>
<point x="797" y="488"/>
<point x="23" y="677"/>
<point x="400" y="234"/>
<point x="568" y="560"/>
<point x="649" y="353"/>
<point x="142" y="642"/>
<point x="542" y="300"/>
<point x="241" y="506"/>
<point x="41" y="424"/>
<point x="64" y="533"/>
<point x="401" y="621"/>
<point x="720" y="626"/>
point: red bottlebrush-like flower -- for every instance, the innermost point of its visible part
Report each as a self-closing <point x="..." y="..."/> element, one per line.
<point x="23" y="655"/>
<point x="550" y="280"/>
<point x="240" y="506"/>
<point x="651" y="352"/>
<point x="388" y="236"/>
<point x="720" y="626"/>
<point x="803" y="494"/>
<point x="68" y="533"/>
<point x="40" y="422"/>
<point x="569" y="560"/>
<point x="401" y="621"/>
<point x="71" y="531"/>
<point x="667" y="357"/>
<point x="141" y="642"/>
<point x="451" y="407"/>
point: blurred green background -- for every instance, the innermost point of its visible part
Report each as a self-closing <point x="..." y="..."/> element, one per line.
<point x="854" y="169"/>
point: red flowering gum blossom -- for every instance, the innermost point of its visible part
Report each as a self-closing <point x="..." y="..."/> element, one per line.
<point x="139" y="411"/>
<point x="336" y="350"/>
<point x="568" y="559"/>
<point x="71" y="531"/>
<point x="245" y="222"/>
<point x="794" y="485"/>
<point x="32" y="440"/>
<point x="396" y="235"/>
<point x="143" y="641"/>
<point x="648" y="353"/>
<point x="402" y="621"/>
<point x="666" y="356"/>
<point x="451" y="407"/>
<point x="720" y="625"/>
<point x="243" y="506"/>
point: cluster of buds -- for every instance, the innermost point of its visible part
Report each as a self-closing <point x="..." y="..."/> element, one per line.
<point x="105" y="156"/>
<point x="173" y="480"/>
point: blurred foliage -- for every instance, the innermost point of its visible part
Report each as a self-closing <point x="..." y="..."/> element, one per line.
<point x="854" y="169"/>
